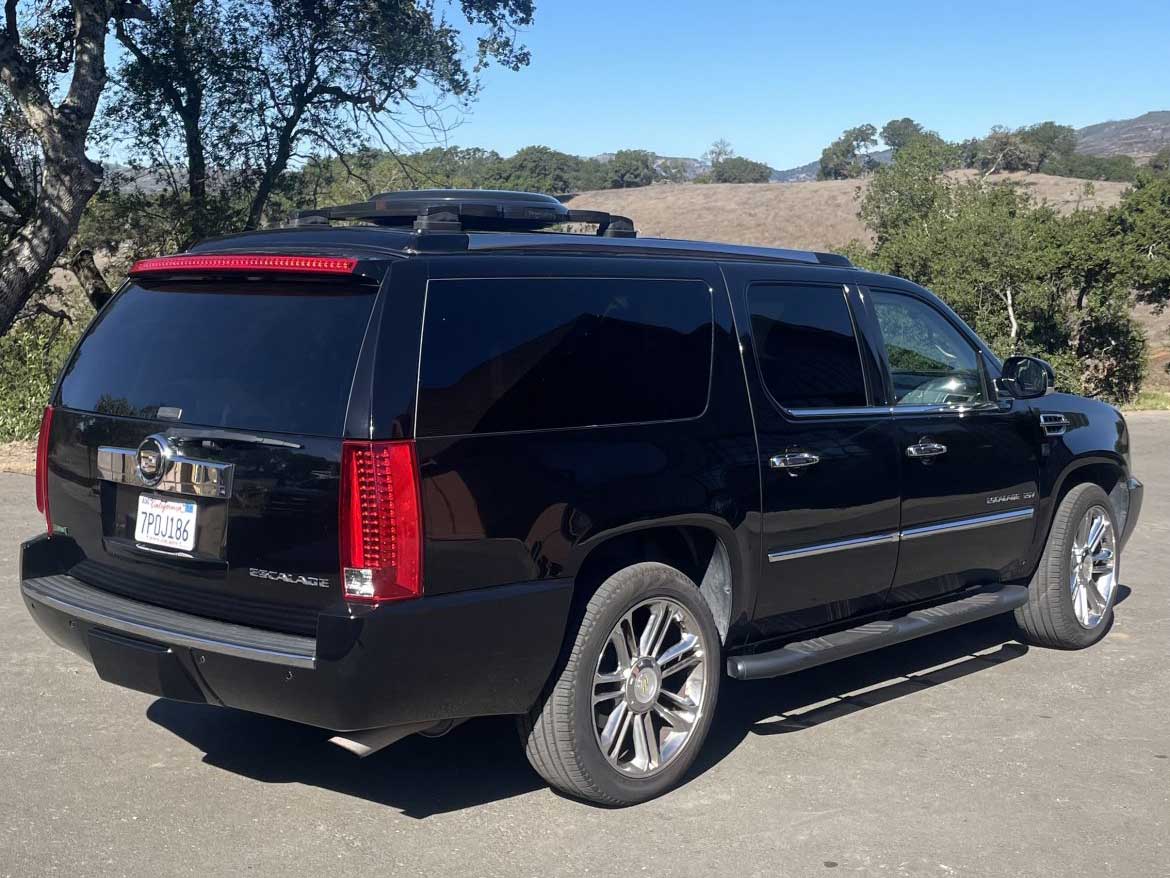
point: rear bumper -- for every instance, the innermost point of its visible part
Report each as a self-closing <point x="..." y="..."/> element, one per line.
<point x="444" y="657"/>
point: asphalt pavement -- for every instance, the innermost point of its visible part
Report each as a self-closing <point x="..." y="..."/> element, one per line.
<point x="965" y="753"/>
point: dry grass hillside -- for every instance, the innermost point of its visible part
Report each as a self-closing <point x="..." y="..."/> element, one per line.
<point x="805" y="216"/>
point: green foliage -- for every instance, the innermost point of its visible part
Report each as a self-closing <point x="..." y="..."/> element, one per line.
<point x="631" y="168"/>
<point x="31" y="354"/>
<point x="674" y="171"/>
<point x="537" y="169"/>
<point x="898" y="133"/>
<point x="740" y="170"/>
<point x="843" y="159"/>
<point x="1117" y="168"/>
<point x="1026" y="278"/>
<point x="1140" y="224"/>
<point x="1048" y="141"/>
<point x="1160" y="163"/>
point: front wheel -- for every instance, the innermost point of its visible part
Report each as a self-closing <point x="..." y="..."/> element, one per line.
<point x="625" y="717"/>
<point x="1070" y="599"/>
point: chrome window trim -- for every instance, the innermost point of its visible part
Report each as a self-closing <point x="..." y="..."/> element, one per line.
<point x="184" y="475"/>
<point x="896" y="410"/>
<point x="928" y="530"/>
<point x="838" y="546"/>
<point x="978" y="521"/>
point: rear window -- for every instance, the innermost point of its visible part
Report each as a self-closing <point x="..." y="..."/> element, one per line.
<point x="276" y="357"/>
<point x="503" y="355"/>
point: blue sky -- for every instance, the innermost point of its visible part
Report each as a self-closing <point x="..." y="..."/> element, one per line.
<point x="780" y="80"/>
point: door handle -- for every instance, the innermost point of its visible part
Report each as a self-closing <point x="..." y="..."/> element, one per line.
<point x="793" y="460"/>
<point x="926" y="449"/>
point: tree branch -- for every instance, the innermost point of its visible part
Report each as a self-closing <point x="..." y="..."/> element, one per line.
<point x="90" y="278"/>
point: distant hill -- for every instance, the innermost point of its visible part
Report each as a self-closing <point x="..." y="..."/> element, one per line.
<point x="1140" y="137"/>
<point x="805" y="215"/>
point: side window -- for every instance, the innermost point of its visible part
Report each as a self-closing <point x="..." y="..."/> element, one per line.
<point x="931" y="363"/>
<point x="501" y="355"/>
<point x="806" y="347"/>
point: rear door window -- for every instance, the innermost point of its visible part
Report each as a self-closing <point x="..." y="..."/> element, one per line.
<point x="502" y="355"/>
<point x="806" y="346"/>
<point x="258" y="356"/>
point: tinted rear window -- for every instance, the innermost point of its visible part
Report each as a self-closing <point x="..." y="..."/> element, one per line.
<point x="278" y="357"/>
<point x="805" y="346"/>
<point x="527" y="354"/>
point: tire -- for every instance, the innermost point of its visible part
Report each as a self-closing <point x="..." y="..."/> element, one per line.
<point x="563" y="731"/>
<point x="1050" y="617"/>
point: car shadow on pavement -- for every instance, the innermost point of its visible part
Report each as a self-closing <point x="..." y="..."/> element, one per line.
<point x="482" y="761"/>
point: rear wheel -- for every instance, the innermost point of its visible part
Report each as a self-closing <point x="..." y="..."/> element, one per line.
<point x="1070" y="599"/>
<point x="625" y="717"/>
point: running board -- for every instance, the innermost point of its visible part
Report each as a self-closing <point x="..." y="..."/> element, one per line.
<point x="874" y="635"/>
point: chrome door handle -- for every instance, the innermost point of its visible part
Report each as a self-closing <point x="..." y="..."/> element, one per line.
<point x="926" y="449"/>
<point x="794" y="460"/>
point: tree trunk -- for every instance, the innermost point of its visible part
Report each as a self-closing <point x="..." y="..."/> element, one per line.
<point x="85" y="269"/>
<point x="68" y="182"/>
<point x="196" y="172"/>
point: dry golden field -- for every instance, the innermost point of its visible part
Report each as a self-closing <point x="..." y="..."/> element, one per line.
<point x="805" y="216"/>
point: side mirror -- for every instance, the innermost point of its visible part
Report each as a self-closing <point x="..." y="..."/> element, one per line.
<point x="1026" y="377"/>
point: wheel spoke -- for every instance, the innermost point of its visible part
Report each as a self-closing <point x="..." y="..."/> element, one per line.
<point x="652" y="634"/>
<point x="615" y="729"/>
<point x="1080" y="601"/>
<point x="620" y="646"/>
<point x="680" y="702"/>
<point x="1103" y="561"/>
<point x="1096" y="532"/>
<point x="1093" y="596"/>
<point x="678" y="721"/>
<point x="685" y="649"/>
<point x="645" y="743"/>
<point x="602" y="697"/>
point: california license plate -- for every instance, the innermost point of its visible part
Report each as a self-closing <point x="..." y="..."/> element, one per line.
<point x="169" y="523"/>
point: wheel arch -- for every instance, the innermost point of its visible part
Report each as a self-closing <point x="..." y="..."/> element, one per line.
<point x="1104" y="469"/>
<point x="703" y="548"/>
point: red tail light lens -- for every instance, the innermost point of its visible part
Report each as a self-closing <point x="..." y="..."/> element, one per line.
<point x="42" y="475"/>
<point x="258" y="262"/>
<point x="381" y="522"/>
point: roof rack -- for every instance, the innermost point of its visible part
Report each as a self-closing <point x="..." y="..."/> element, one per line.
<point x="460" y="210"/>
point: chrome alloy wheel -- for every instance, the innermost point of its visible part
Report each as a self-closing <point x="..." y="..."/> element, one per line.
<point x="1093" y="567"/>
<point x="649" y="687"/>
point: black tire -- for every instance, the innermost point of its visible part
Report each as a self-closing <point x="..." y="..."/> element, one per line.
<point x="1048" y="618"/>
<point x="559" y="731"/>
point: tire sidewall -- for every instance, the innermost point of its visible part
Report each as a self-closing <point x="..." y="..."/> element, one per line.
<point x="640" y="583"/>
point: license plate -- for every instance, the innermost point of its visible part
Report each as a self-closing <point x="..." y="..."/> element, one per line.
<point x="169" y="523"/>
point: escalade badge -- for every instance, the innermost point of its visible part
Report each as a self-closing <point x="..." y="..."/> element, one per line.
<point x="314" y="581"/>
<point x="153" y="459"/>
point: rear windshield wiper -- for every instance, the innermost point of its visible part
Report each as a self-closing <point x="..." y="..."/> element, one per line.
<point x="226" y="436"/>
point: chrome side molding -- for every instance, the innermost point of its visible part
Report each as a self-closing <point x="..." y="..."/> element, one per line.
<point x="183" y="475"/>
<point x="913" y="533"/>
<point x="929" y="530"/>
<point x="826" y="548"/>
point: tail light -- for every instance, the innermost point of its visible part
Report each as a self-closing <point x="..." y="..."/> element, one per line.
<point x="42" y="475"/>
<point x="381" y="522"/>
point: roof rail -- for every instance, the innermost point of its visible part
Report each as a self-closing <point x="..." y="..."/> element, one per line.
<point x="460" y="210"/>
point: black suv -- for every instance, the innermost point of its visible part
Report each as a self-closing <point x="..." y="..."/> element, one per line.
<point x="434" y="457"/>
